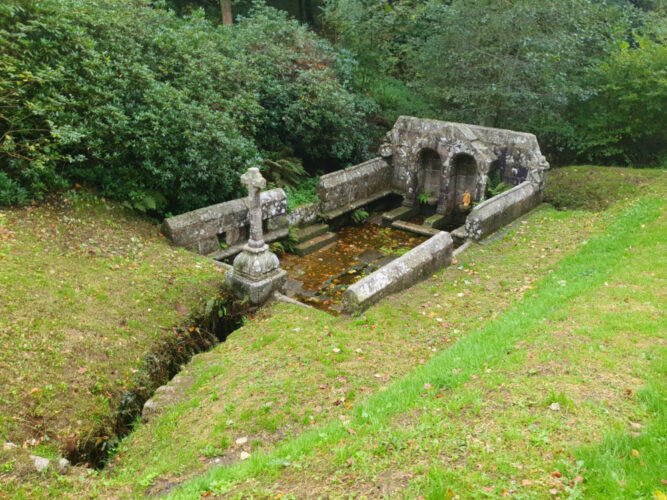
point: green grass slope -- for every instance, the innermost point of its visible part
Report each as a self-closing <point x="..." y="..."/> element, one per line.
<point x="447" y="389"/>
<point x="92" y="298"/>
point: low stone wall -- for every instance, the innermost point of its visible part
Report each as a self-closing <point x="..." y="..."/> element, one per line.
<point x="348" y="189"/>
<point x="489" y="216"/>
<point x="304" y="215"/>
<point x="204" y="229"/>
<point x="416" y="265"/>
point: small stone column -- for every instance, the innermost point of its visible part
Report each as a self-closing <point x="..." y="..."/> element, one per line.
<point x="256" y="272"/>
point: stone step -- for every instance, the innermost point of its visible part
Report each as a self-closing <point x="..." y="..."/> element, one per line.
<point x="414" y="228"/>
<point x="315" y="244"/>
<point x="398" y="214"/>
<point x="310" y="232"/>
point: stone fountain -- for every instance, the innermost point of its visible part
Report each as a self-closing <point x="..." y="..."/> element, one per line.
<point x="256" y="271"/>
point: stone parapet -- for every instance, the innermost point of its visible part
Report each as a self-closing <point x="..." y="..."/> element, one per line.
<point x="412" y="267"/>
<point x="489" y="216"/>
<point x="203" y="230"/>
<point x="341" y="191"/>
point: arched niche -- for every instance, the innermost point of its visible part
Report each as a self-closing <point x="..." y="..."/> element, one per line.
<point x="429" y="171"/>
<point x="462" y="183"/>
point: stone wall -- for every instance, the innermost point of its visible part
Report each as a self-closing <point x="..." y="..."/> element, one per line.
<point x="348" y="189"/>
<point x="304" y="214"/>
<point x="412" y="267"/>
<point x="489" y="216"/>
<point x="516" y="155"/>
<point x="205" y="229"/>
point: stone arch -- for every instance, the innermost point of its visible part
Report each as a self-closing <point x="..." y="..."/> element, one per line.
<point x="462" y="183"/>
<point x="429" y="173"/>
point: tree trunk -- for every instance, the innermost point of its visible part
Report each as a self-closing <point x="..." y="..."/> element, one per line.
<point x="226" y="9"/>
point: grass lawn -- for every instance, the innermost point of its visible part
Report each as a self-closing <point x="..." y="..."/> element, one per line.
<point x="532" y="367"/>
<point x="92" y="298"/>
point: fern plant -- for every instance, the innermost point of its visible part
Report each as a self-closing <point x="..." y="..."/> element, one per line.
<point x="359" y="215"/>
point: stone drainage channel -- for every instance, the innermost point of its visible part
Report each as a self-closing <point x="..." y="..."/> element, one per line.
<point x="221" y="316"/>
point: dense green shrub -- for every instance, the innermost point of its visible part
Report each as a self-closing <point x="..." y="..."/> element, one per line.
<point x="161" y="110"/>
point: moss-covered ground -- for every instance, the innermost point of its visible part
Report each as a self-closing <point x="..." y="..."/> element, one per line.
<point x="533" y="367"/>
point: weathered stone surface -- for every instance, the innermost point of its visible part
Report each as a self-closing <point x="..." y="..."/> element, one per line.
<point x="468" y="155"/>
<point x="9" y="446"/>
<point x="62" y="466"/>
<point x="414" y="228"/>
<point x="166" y="395"/>
<point x="201" y="230"/>
<point x="304" y="215"/>
<point x="399" y="213"/>
<point x="41" y="463"/>
<point x="416" y="265"/>
<point x="310" y="232"/>
<point x="495" y="212"/>
<point x="256" y="272"/>
<point x="315" y="244"/>
<point x="342" y="190"/>
<point x="437" y="221"/>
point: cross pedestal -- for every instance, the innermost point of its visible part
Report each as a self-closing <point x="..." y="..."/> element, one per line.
<point x="256" y="271"/>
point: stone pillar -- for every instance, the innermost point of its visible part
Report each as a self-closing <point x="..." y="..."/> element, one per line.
<point x="256" y="272"/>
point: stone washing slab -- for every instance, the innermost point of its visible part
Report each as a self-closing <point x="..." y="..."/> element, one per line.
<point x="199" y="230"/>
<point x="494" y="213"/>
<point x="414" y="228"/>
<point x="398" y="213"/>
<point x="315" y="244"/>
<point x="412" y="267"/>
<point x="310" y="232"/>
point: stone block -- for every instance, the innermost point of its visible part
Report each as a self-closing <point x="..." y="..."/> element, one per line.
<point x="412" y="267"/>
<point x="491" y="215"/>
<point x="436" y="221"/>
<point x="315" y="244"/>
<point x="310" y="232"/>
<point x="198" y="229"/>
<point x="400" y="213"/>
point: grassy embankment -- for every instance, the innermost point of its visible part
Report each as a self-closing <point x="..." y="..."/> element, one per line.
<point x="95" y="307"/>
<point x="445" y="389"/>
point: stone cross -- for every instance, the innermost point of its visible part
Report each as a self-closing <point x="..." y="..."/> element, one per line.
<point x="254" y="181"/>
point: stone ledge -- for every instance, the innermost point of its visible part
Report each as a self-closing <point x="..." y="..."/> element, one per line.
<point x="494" y="213"/>
<point x="416" y="265"/>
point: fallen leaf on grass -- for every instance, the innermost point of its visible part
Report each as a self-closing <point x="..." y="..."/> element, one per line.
<point x="526" y="482"/>
<point x="634" y="453"/>
<point x="82" y="370"/>
<point x="556" y="474"/>
<point x="351" y="431"/>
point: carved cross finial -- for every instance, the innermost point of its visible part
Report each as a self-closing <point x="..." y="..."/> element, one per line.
<point x="253" y="180"/>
